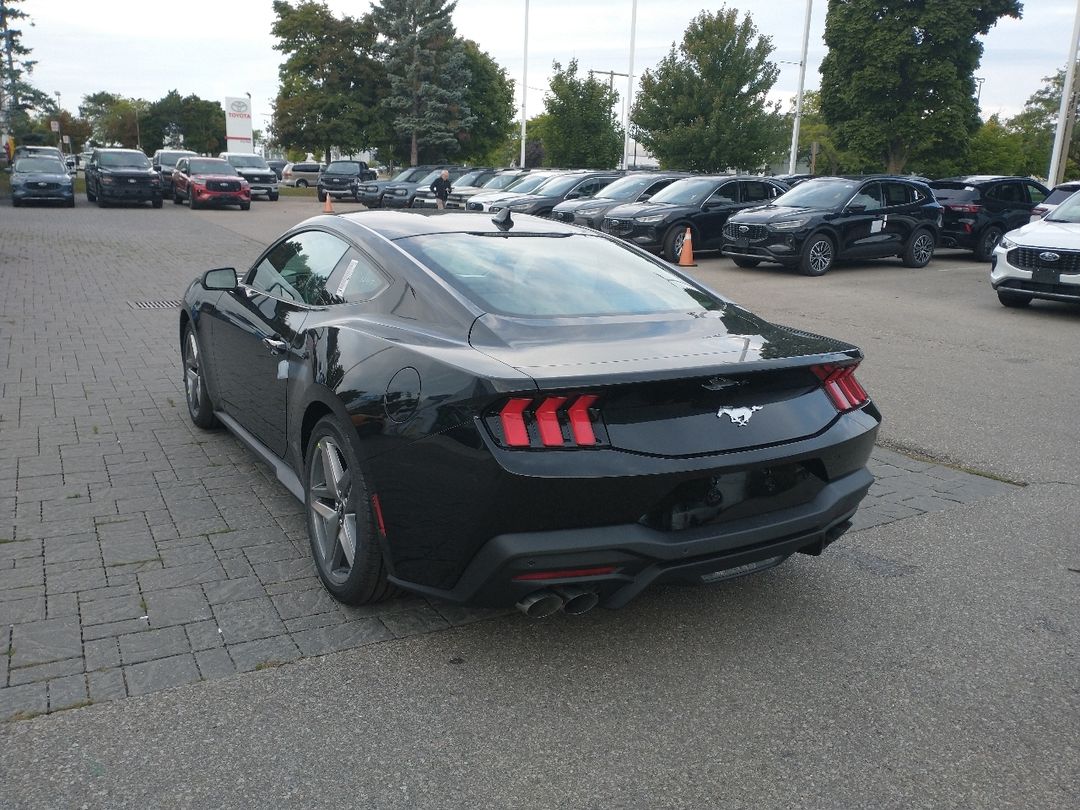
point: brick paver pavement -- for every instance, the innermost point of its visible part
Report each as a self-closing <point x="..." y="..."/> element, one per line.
<point x="138" y="552"/>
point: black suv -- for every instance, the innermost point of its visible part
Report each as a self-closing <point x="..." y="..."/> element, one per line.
<point x="830" y="218"/>
<point x="371" y="193"/>
<point x="342" y="178"/>
<point x="122" y="175"/>
<point x="163" y="161"/>
<point x="637" y="187"/>
<point x="401" y="194"/>
<point x="582" y="185"/>
<point x="701" y="203"/>
<point x="980" y="209"/>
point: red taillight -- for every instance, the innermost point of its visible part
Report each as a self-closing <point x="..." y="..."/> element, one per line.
<point x="964" y="208"/>
<point x="569" y="573"/>
<point x="554" y="421"/>
<point x="840" y="384"/>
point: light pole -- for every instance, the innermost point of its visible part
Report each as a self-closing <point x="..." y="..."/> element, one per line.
<point x="524" y="83"/>
<point x="793" y="156"/>
<point x="1061" y="148"/>
<point x="59" y="135"/>
<point x="629" y="90"/>
<point x="978" y="89"/>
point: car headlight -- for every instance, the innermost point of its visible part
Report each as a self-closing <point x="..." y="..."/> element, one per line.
<point x="789" y="224"/>
<point x="1006" y="243"/>
<point x="652" y="220"/>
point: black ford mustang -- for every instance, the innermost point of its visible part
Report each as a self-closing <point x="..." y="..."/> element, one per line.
<point x="523" y="412"/>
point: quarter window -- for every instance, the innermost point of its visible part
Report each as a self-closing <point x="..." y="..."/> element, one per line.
<point x="726" y="194"/>
<point x="896" y="194"/>
<point x="1007" y="192"/>
<point x="297" y="268"/>
<point x="1037" y="194"/>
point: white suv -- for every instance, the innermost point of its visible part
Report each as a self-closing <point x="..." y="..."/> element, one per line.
<point x="254" y="168"/>
<point x="1041" y="259"/>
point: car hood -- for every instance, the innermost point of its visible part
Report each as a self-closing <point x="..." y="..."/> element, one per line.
<point x="201" y="176"/>
<point x="406" y="186"/>
<point x="496" y="196"/>
<point x="644" y="209"/>
<point x="128" y="172"/>
<point x="40" y="177"/>
<point x="762" y="214"/>
<point x="573" y="351"/>
<point x="591" y="202"/>
<point x="1050" y="235"/>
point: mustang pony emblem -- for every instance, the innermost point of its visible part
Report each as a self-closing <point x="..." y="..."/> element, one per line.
<point x="739" y="416"/>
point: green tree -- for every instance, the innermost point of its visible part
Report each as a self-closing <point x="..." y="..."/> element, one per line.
<point x="489" y="95"/>
<point x="1035" y="125"/>
<point x="330" y="79"/>
<point x="429" y="73"/>
<point x="18" y="98"/>
<point x="703" y="106"/>
<point x="581" y="129"/>
<point x="996" y="150"/>
<point x="897" y="85"/>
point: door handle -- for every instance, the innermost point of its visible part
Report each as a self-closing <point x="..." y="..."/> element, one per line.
<point x="275" y="345"/>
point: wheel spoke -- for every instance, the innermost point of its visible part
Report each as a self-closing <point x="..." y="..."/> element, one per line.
<point x="333" y="471"/>
<point x="192" y="378"/>
<point x="327" y="526"/>
<point x="347" y="537"/>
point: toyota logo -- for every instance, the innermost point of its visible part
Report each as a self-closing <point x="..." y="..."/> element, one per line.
<point x="239" y="106"/>
<point x="1049" y="256"/>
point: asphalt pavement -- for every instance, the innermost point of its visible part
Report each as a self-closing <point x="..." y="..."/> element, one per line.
<point x="930" y="661"/>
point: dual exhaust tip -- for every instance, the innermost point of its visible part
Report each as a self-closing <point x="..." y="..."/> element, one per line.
<point x="569" y="599"/>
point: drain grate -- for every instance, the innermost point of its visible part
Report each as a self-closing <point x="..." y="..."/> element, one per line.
<point x="153" y="304"/>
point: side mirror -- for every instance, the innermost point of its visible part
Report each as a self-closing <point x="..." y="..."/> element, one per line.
<point x="856" y="209"/>
<point x="156" y="167"/>
<point x="223" y="278"/>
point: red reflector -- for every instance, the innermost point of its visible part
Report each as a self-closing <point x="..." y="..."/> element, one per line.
<point x="513" y="423"/>
<point x="377" y="507"/>
<point x="568" y="573"/>
<point x="580" y="423"/>
<point x="547" y="419"/>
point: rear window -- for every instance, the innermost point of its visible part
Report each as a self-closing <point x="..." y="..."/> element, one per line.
<point x="555" y="275"/>
<point x="1060" y="194"/>
<point x="955" y="192"/>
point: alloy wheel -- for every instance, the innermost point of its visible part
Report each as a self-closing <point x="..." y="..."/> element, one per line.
<point x="821" y="256"/>
<point x="192" y="374"/>
<point x="333" y="518"/>
<point x="923" y="249"/>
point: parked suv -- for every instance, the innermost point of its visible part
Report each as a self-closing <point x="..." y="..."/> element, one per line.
<point x="830" y="218"/>
<point x="701" y="203"/>
<point x="342" y="178"/>
<point x="371" y="193"/>
<point x="459" y="195"/>
<point x="122" y="175"/>
<point x="400" y="195"/>
<point x="473" y="180"/>
<point x="256" y="171"/>
<point x="577" y="186"/>
<point x="164" y="160"/>
<point x="979" y="209"/>
<point x="1058" y="194"/>
<point x="637" y="187"/>
<point x="302" y="174"/>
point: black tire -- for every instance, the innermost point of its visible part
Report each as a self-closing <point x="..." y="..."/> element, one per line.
<point x="102" y="202"/>
<point x="70" y="203"/>
<point x="157" y="202"/>
<point x="200" y="406"/>
<point x="818" y="255"/>
<point x="16" y="203"/>
<point x="1013" y="300"/>
<point x="245" y="206"/>
<point x="90" y="196"/>
<point x="321" y="196"/>
<point x="301" y="183"/>
<point x="988" y="240"/>
<point x="192" y="203"/>
<point x="176" y="198"/>
<point x="747" y="263"/>
<point x="333" y="506"/>
<point x="273" y="196"/>
<point x="919" y="250"/>
<point x="673" y="242"/>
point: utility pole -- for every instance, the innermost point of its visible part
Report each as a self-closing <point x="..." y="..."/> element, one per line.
<point x="628" y="101"/>
<point x="524" y="84"/>
<point x="799" y="99"/>
<point x="1061" y="146"/>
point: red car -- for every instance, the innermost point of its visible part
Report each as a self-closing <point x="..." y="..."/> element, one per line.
<point x="209" y="181"/>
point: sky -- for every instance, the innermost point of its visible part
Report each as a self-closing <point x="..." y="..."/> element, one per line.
<point x="219" y="48"/>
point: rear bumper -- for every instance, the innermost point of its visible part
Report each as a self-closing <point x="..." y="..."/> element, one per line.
<point x="643" y="557"/>
<point x="950" y="238"/>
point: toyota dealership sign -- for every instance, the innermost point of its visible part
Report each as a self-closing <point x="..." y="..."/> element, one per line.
<point x="238" y="136"/>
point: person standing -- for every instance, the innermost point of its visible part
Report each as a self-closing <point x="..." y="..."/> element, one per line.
<point x="441" y="189"/>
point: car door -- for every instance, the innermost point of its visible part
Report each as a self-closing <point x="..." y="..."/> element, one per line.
<point x="1036" y="194"/>
<point x="256" y="336"/>
<point x="180" y="177"/>
<point x="1007" y="202"/>
<point x="899" y="219"/>
<point x="861" y="222"/>
<point x="714" y="211"/>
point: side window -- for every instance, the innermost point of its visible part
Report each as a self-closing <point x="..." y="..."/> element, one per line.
<point x="726" y="194"/>
<point x="297" y="268"/>
<point x="655" y="187"/>
<point x="869" y="197"/>
<point x="1036" y="194"/>
<point x="1006" y="192"/>
<point x="774" y="191"/>
<point x="181" y="165"/>
<point x="357" y="279"/>
<point x="756" y="192"/>
<point x="587" y="188"/>
<point x="896" y="194"/>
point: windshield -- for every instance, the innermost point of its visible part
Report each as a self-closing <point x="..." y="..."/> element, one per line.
<point x="1060" y="193"/>
<point x="528" y="183"/>
<point x="247" y="161"/>
<point x="124" y="160"/>
<point x="170" y="158"/>
<point x="954" y="192"/>
<point x="210" y="166"/>
<point x="428" y="178"/>
<point x="469" y="178"/>
<point x="627" y="188"/>
<point x="343" y="167"/>
<point x="502" y="180"/>
<point x="413" y="175"/>
<point x="555" y="276"/>
<point x="558" y="186"/>
<point x="691" y="191"/>
<point x="818" y="194"/>
<point x="1068" y="211"/>
<point x="40" y="164"/>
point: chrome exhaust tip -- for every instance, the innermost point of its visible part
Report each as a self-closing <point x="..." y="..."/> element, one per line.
<point x="577" y="600"/>
<point x="539" y="604"/>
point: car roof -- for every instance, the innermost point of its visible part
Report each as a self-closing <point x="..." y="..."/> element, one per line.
<point x="414" y="222"/>
<point x="118" y="149"/>
<point x="976" y="179"/>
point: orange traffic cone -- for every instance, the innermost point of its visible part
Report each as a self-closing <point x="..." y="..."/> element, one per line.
<point x="328" y="204"/>
<point x="686" y="255"/>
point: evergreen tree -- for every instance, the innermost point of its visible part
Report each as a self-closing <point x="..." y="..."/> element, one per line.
<point x="581" y="129"/>
<point x="17" y="96"/>
<point x="429" y="73"/>
<point x="897" y="85"/>
<point x="703" y="107"/>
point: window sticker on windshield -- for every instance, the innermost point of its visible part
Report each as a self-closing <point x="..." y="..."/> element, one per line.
<point x="345" y="279"/>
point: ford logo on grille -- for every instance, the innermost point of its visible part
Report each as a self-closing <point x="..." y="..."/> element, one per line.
<point x="614" y="223"/>
<point x="1049" y="256"/>
<point x="744" y="229"/>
